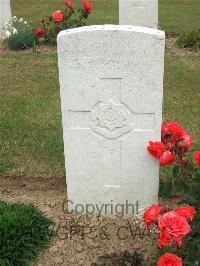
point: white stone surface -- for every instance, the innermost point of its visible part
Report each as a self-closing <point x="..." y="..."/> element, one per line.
<point x="5" y="15"/>
<point x="111" y="84"/>
<point x="142" y="13"/>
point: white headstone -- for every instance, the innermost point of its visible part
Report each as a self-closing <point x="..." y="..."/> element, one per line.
<point x="111" y="82"/>
<point x="5" y="15"/>
<point x="142" y="13"/>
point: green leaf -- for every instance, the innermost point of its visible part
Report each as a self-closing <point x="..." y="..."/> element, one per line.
<point x="176" y="170"/>
<point x="190" y="196"/>
<point x="165" y="189"/>
<point x="196" y="175"/>
<point x="180" y="185"/>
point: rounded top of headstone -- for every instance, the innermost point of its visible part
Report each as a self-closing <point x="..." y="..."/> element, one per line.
<point x="109" y="27"/>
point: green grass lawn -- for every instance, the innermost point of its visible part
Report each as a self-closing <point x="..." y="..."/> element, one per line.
<point x="105" y="11"/>
<point x="30" y="119"/>
<point x="179" y="15"/>
<point x="174" y="15"/>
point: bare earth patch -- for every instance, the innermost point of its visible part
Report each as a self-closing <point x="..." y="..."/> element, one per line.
<point x="79" y="240"/>
<point x="172" y="47"/>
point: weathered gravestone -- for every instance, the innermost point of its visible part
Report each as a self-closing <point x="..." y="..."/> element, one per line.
<point x="111" y="80"/>
<point x="139" y="13"/>
<point x="5" y="15"/>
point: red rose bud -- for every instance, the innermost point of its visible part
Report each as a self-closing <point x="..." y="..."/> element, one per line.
<point x="87" y="5"/>
<point x="169" y="259"/>
<point x="197" y="157"/>
<point x="156" y="148"/>
<point x="152" y="213"/>
<point x="185" y="211"/>
<point x="69" y="3"/>
<point x="167" y="157"/>
<point x="58" y="15"/>
<point x="42" y="20"/>
<point x="40" y="32"/>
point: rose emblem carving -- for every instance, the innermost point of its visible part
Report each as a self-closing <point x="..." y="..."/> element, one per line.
<point x="110" y="119"/>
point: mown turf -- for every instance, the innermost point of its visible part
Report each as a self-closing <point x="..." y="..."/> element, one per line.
<point x="179" y="16"/>
<point x="105" y="11"/>
<point x="31" y="132"/>
<point x="174" y="15"/>
<point x="30" y="120"/>
<point x="182" y="93"/>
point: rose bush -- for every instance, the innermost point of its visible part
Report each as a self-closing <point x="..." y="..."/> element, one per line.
<point x="171" y="228"/>
<point x="173" y="150"/>
<point x="63" y="19"/>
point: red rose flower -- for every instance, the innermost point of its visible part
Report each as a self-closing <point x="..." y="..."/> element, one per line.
<point x="40" y="32"/>
<point x="197" y="157"/>
<point x="87" y="5"/>
<point x="167" y="157"/>
<point x="169" y="259"/>
<point x="165" y="239"/>
<point x="69" y="3"/>
<point x="58" y="15"/>
<point x="172" y="132"/>
<point x="175" y="129"/>
<point x="172" y="228"/>
<point x="152" y="213"/>
<point x="156" y="148"/>
<point x="185" y="142"/>
<point x="185" y="211"/>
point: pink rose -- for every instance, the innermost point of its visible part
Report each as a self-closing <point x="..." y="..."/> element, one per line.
<point x="58" y="15"/>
